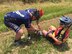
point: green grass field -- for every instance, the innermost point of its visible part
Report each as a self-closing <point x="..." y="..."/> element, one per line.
<point x="39" y="45"/>
<point x="51" y="10"/>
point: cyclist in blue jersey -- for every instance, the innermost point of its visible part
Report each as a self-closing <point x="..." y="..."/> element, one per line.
<point x="15" y="19"/>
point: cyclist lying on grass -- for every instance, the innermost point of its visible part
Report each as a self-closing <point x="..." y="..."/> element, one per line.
<point x="58" y="35"/>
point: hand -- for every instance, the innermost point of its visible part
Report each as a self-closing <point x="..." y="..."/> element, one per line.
<point x="58" y="42"/>
<point x="39" y="33"/>
<point x="64" y="40"/>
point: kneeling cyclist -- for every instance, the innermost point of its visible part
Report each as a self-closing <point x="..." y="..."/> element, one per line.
<point x="15" y="19"/>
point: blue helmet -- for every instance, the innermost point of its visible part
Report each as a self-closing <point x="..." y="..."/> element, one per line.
<point x="65" y="20"/>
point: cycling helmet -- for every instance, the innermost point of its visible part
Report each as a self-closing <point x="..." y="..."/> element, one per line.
<point x="38" y="13"/>
<point x="65" y="20"/>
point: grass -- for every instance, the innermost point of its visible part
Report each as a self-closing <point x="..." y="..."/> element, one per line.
<point x="38" y="45"/>
<point x="51" y="10"/>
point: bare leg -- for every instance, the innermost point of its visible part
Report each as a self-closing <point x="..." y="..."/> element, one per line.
<point x="44" y="33"/>
<point x="52" y="28"/>
<point x="19" y="34"/>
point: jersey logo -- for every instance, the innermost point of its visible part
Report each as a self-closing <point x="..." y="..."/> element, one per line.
<point x="17" y="12"/>
<point x="28" y="11"/>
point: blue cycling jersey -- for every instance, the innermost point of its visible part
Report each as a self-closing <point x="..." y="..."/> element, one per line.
<point x="22" y="16"/>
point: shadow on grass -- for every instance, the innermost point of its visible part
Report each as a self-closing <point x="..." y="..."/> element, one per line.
<point x="26" y="42"/>
<point x="34" y="39"/>
<point x="63" y="47"/>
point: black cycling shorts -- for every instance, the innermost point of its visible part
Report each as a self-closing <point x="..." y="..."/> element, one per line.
<point x="8" y="22"/>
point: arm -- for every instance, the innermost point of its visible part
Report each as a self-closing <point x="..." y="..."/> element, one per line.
<point x="31" y="28"/>
<point x="39" y="27"/>
<point x="57" y="42"/>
